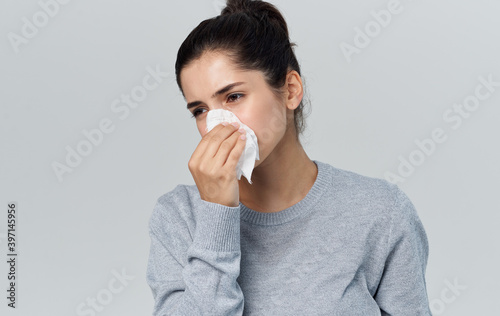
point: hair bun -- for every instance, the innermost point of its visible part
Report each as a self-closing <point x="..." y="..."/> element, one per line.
<point x="258" y="9"/>
<point x="237" y="6"/>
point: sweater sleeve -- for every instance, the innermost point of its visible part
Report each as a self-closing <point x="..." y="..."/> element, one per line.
<point x="195" y="275"/>
<point x="402" y="289"/>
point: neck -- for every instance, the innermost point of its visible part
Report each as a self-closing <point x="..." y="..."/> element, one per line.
<point x="282" y="180"/>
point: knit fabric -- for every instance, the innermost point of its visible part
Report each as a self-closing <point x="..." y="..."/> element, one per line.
<point x="354" y="245"/>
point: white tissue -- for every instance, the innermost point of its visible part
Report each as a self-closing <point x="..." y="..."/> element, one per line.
<point x="250" y="153"/>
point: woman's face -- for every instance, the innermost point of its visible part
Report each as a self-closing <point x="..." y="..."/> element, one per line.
<point x="251" y="100"/>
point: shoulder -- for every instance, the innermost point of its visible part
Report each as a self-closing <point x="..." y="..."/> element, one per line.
<point x="174" y="208"/>
<point x="353" y="180"/>
<point x="181" y="195"/>
<point x="379" y="201"/>
<point x="365" y="195"/>
<point x="378" y="198"/>
<point x="362" y="193"/>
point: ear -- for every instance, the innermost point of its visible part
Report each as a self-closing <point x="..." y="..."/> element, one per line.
<point x="294" y="89"/>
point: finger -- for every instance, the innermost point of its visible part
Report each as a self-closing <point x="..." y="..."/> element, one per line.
<point x="204" y="143"/>
<point x="216" y="140"/>
<point x="235" y="154"/>
<point x="225" y="148"/>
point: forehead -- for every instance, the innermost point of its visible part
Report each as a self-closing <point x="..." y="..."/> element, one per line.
<point x="212" y="71"/>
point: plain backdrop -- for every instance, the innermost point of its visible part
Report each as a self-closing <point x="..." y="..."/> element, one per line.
<point x="406" y="75"/>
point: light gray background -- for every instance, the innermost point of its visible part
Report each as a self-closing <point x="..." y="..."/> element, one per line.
<point x="75" y="234"/>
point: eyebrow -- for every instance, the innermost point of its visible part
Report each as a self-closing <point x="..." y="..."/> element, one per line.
<point x="219" y="92"/>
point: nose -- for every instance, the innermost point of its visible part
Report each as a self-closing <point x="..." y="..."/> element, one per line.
<point x="217" y="107"/>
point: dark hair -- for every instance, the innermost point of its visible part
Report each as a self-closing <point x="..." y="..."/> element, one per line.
<point x="254" y="35"/>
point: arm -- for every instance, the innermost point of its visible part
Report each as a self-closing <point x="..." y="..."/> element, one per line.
<point x="198" y="276"/>
<point x="402" y="289"/>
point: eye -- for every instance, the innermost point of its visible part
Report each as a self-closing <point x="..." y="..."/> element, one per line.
<point x="197" y="112"/>
<point x="230" y="98"/>
<point x="233" y="95"/>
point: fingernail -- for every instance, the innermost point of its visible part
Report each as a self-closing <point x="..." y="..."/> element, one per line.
<point x="235" y="124"/>
<point x="242" y="130"/>
<point x="243" y="137"/>
<point x="224" y="123"/>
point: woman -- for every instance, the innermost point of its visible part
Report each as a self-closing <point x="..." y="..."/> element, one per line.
<point x="304" y="238"/>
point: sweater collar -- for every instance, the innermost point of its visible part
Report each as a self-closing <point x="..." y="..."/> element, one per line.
<point x="323" y="180"/>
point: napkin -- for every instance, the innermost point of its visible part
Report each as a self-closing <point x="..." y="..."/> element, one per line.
<point x="250" y="153"/>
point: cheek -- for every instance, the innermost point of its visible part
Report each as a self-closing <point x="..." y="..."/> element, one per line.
<point x="265" y="134"/>
<point x="254" y="122"/>
<point x="268" y="131"/>
<point x="273" y="126"/>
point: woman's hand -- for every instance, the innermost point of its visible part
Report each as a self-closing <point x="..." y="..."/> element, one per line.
<point x="213" y="164"/>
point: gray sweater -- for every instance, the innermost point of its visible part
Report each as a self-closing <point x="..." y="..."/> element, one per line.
<point x="353" y="246"/>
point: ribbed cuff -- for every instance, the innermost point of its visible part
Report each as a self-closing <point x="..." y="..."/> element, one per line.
<point x="217" y="227"/>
